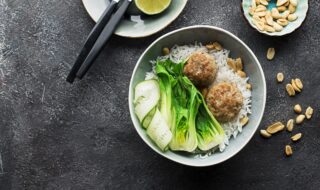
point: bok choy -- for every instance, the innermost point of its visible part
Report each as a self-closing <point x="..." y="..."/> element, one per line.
<point x="209" y="131"/>
<point x="194" y="125"/>
<point x="174" y="112"/>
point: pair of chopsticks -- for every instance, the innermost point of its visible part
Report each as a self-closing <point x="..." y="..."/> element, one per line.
<point x="98" y="37"/>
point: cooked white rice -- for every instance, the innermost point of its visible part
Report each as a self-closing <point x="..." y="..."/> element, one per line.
<point x="225" y="74"/>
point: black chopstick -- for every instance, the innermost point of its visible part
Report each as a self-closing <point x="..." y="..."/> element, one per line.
<point x="92" y="38"/>
<point x="103" y="38"/>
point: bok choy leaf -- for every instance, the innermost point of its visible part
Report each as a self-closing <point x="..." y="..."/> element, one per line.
<point x="209" y="132"/>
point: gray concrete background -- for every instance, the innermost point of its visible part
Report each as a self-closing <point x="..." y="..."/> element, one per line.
<point x="54" y="135"/>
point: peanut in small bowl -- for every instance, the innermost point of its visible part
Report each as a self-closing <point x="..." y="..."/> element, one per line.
<point x="275" y="17"/>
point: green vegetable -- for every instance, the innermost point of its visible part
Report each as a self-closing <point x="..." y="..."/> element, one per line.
<point x="209" y="131"/>
<point x="186" y="103"/>
<point x="194" y="125"/>
<point x="174" y="111"/>
<point x="166" y="83"/>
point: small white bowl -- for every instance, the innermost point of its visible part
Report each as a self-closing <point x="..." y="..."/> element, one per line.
<point x="301" y="12"/>
<point x="205" y="34"/>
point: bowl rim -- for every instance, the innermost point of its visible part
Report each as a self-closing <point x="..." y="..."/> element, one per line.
<point x="273" y="34"/>
<point x="131" y="109"/>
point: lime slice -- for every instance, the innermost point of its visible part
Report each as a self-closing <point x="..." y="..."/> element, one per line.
<point x="152" y="7"/>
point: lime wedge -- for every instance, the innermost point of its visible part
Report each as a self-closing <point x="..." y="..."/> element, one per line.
<point x="152" y="7"/>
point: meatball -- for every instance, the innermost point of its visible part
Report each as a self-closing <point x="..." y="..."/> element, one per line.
<point x="201" y="69"/>
<point x="224" y="101"/>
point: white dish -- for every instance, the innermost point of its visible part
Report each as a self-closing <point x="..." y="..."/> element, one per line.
<point x="137" y="26"/>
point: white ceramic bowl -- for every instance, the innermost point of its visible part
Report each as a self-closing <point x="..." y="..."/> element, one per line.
<point x="238" y="48"/>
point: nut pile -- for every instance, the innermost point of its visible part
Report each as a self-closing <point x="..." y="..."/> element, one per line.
<point x="295" y="86"/>
<point x="279" y="126"/>
<point x="276" y="19"/>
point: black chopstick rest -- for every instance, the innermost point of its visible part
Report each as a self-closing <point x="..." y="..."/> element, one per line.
<point x="91" y="40"/>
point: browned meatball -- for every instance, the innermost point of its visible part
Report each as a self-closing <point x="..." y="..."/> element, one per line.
<point x="201" y="69"/>
<point x="224" y="101"/>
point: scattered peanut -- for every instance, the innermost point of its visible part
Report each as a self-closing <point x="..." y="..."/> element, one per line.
<point x="239" y="64"/>
<point x="249" y="86"/>
<point x="296" y="137"/>
<point x="288" y="150"/>
<point x="280" y="77"/>
<point x="231" y="63"/>
<point x="290" y="90"/>
<point x="309" y="112"/>
<point x="300" y="119"/>
<point x="271" y="53"/>
<point x="293" y="83"/>
<point x="299" y="83"/>
<point x="209" y="46"/>
<point x="165" y="51"/>
<point x="274" y="128"/>
<point x="265" y="134"/>
<point x="215" y="46"/>
<point x="290" y="125"/>
<point x="297" y="108"/>
<point x="244" y="121"/>
<point x="241" y="74"/>
<point x="236" y="65"/>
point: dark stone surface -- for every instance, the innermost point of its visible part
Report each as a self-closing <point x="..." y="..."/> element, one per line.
<point x="54" y="135"/>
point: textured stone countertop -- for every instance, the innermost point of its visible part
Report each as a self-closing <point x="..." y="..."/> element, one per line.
<point x="54" y="135"/>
